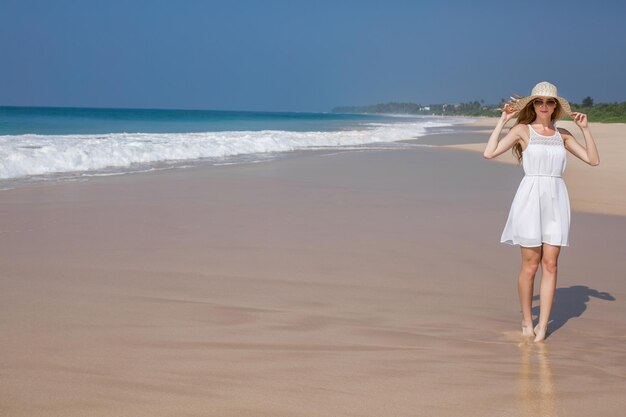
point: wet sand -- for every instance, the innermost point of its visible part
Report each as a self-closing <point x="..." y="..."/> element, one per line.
<point x="350" y="284"/>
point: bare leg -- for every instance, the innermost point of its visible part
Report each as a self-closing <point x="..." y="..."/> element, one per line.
<point x="530" y="262"/>
<point x="549" y="262"/>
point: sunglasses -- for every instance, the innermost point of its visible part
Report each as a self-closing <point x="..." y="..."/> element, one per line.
<point x="550" y="102"/>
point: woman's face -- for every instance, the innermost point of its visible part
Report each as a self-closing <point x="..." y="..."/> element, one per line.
<point x="544" y="106"/>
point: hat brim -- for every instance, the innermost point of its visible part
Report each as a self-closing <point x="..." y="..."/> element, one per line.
<point x="519" y="103"/>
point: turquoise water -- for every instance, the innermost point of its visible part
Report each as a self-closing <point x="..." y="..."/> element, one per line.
<point x="71" y="121"/>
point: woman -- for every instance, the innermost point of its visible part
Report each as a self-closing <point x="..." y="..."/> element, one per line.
<point x="540" y="213"/>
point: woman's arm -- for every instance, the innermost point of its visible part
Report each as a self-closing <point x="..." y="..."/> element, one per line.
<point x="496" y="147"/>
<point x="587" y="153"/>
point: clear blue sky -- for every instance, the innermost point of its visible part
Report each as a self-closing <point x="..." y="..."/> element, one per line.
<point x="305" y="55"/>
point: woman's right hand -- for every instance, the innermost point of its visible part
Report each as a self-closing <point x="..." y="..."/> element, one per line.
<point x="508" y="112"/>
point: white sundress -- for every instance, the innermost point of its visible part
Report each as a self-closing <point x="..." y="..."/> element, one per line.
<point x="540" y="212"/>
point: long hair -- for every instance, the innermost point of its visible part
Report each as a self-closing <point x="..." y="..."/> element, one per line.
<point x="528" y="115"/>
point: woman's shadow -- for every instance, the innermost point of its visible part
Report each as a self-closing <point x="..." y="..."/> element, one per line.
<point x="569" y="303"/>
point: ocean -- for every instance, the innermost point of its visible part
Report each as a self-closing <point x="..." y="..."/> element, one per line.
<point x="52" y="144"/>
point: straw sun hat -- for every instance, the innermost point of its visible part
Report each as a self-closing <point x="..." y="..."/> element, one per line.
<point x="543" y="89"/>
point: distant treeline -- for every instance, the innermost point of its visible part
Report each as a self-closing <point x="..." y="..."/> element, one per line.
<point x="463" y="109"/>
<point x="601" y="112"/>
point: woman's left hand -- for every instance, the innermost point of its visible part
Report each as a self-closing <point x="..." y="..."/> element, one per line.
<point x="580" y="119"/>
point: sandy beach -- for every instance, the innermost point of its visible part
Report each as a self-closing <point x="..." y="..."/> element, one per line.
<point x="325" y="284"/>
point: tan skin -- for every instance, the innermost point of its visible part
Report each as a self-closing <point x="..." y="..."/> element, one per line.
<point x="546" y="255"/>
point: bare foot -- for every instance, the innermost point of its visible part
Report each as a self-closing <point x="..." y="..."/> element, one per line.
<point x="540" y="333"/>
<point x="527" y="330"/>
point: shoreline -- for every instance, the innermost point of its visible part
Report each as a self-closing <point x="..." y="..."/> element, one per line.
<point x="42" y="158"/>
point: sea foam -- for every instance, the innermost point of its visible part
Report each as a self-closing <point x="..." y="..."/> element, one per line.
<point x="33" y="155"/>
